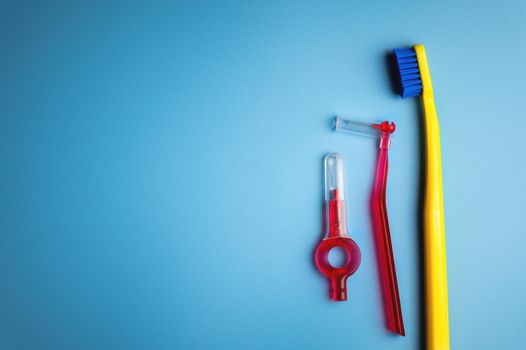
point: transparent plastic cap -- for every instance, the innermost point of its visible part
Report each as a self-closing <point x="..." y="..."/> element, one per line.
<point x="382" y="130"/>
<point x="334" y="184"/>
<point x="335" y="196"/>
<point x="354" y="127"/>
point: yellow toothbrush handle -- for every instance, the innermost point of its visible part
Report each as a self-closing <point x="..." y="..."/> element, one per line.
<point x="437" y="324"/>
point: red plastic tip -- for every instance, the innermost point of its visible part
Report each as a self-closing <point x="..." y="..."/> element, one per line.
<point x="385" y="126"/>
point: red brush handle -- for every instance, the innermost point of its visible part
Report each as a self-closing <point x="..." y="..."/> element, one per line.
<point x="391" y="297"/>
<point x="338" y="275"/>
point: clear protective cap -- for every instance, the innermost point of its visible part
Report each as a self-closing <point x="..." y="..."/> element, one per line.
<point x="334" y="182"/>
<point x="354" y="127"/>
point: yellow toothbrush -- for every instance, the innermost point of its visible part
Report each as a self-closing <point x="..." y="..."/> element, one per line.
<point x="416" y="80"/>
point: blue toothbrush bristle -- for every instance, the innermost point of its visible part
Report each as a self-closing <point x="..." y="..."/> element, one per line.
<point x="410" y="79"/>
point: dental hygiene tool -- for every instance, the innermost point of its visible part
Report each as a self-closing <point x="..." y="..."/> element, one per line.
<point x="384" y="250"/>
<point x="415" y="80"/>
<point x="336" y="235"/>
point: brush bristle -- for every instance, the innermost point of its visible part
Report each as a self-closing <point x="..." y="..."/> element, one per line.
<point x="410" y="80"/>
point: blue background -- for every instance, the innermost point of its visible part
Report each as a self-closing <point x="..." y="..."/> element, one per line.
<point x="161" y="171"/>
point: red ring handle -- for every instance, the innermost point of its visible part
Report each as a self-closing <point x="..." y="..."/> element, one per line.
<point x="338" y="275"/>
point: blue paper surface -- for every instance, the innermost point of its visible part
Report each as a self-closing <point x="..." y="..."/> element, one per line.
<point x="161" y="171"/>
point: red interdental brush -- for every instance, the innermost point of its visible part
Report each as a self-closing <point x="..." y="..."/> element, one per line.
<point x="336" y="235"/>
<point x="384" y="250"/>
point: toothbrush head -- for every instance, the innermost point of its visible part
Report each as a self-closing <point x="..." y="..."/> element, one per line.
<point x="413" y="69"/>
<point x="409" y="72"/>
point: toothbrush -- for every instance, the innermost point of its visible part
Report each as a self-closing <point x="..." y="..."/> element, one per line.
<point x="416" y="80"/>
<point x="384" y="250"/>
